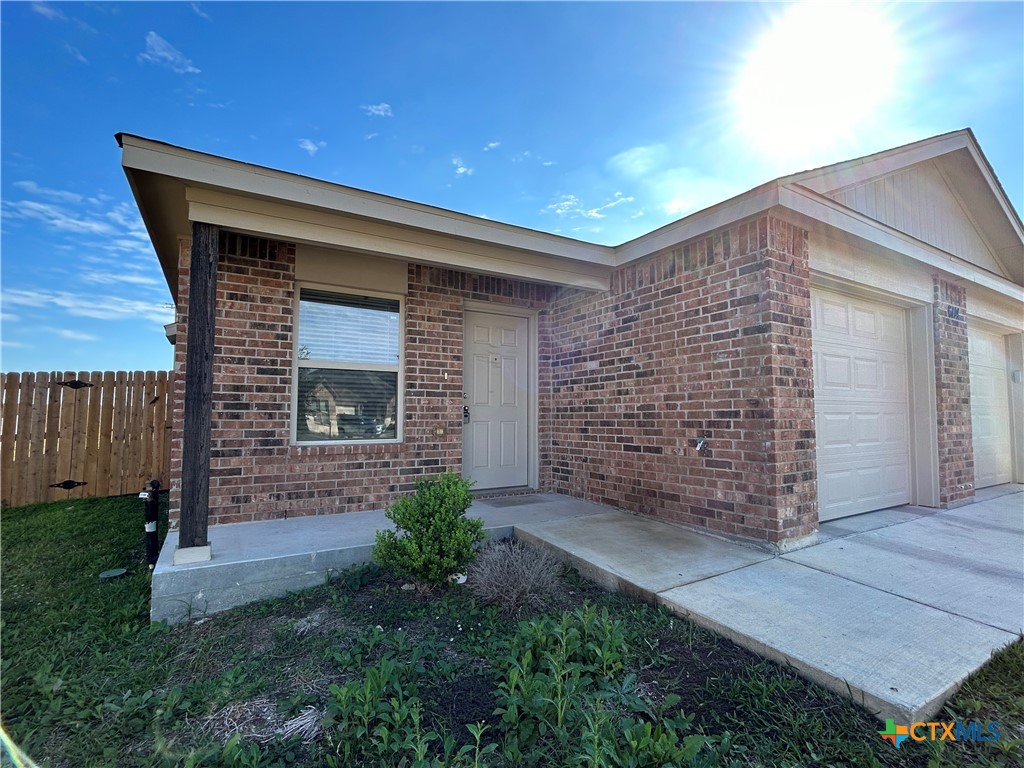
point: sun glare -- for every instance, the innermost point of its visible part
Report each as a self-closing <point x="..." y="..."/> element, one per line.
<point x="820" y="73"/>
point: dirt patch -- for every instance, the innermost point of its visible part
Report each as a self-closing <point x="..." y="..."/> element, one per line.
<point x="467" y="699"/>
<point x="691" y="671"/>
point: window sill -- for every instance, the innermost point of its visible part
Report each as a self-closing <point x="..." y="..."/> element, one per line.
<point x="328" y="447"/>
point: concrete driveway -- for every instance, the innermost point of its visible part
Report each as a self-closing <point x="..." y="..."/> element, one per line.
<point x="895" y="608"/>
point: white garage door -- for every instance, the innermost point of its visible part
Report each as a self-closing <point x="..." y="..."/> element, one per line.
<point x="860" y="404"/>
<point x="990" y="409"/>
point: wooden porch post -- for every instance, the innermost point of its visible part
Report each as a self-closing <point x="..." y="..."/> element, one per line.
<point x="195" y="460"/>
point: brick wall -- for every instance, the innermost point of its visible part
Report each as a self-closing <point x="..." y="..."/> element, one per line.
<point x="255" y="471"/>
<point x="711" y="338"/>
<point x="953" y="394"/>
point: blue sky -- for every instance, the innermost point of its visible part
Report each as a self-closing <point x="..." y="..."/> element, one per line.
<point x="597" y="121"/>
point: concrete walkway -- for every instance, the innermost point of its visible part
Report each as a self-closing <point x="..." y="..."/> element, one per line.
<point x="895" y="607"/>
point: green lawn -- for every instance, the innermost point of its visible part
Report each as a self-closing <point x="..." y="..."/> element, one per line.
<point x="379" y="675"/>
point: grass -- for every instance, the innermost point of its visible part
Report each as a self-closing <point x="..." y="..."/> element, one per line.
<point x="360" y="671"/>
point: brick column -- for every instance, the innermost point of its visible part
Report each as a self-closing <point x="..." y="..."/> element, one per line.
<point x="790" y="445"/>
<point x="953" y="394"/>
<point x="178" y="375"/>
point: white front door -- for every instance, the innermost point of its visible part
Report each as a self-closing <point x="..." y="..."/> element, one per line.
<point x="990" y="409"/>
<point x="495" y="434"/>
<point x="861" y="404"/>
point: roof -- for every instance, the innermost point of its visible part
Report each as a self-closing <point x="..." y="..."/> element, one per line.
<point x="174" y="186"/>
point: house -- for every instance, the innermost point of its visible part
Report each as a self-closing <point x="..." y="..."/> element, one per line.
<point x="836" y="341"/>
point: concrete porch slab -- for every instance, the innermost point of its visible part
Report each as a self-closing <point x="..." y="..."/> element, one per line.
<point x="638" y="555"/>
<point x="254" y="561"/>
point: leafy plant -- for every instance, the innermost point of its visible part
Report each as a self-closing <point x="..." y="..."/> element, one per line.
<point x="563" y="700"/>
<point x="433" y="540"/>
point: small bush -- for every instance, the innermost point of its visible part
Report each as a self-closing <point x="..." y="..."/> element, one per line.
<point x="434" y="539"/>
<point x="514" y="576"/>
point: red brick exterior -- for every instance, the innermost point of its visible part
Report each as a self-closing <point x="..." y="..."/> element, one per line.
<point x="711" y="338"/>
<point x="255" y="471"/>
<point x="953" y="394"/>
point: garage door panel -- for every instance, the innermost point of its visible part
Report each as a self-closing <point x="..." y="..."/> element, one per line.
<point x="861" y="324"/>
<point x="856" y="374"/>
<point x="990" y="409"/>
<point x="831" y="316"/>
<point x="861" y="405"/>
<point x="863" y="429"/>
<point x="847" y="486"/>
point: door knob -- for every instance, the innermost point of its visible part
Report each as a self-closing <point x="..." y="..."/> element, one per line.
<point x="465" y="414"/>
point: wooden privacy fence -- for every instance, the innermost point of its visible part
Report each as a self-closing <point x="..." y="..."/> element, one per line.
<point x="68" y="435"/>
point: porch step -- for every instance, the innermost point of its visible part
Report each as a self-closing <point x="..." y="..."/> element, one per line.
<point x="257" y="560"/>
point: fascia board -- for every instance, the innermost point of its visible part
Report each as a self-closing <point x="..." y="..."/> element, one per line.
<point x="997" y="190"/>
<point x="195" y="168"/>
<point x="808" y="203"/>
<point x="395" y="242"/>
<point x="696" y="225"/>
<point x="864" y="169"/>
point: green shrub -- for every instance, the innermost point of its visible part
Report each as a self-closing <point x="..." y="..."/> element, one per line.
<point x="434" y="539"/>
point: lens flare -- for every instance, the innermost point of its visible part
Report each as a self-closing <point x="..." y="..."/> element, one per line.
<point x="819" y="74"/>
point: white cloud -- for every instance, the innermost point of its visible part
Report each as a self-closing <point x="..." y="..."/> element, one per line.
<point x="565" y="204"/>
<point x="99" y="307"/>
<point x="460" y="168"/>
<point x="199" y="11"/>
<point x="681" y="191"/>
<point x="528" y="155"/>
<point x="129" y="222"/>
<point x="491" y="145"/>
<point x="371" y="136"/>
<point x="49" y="12"/>
<point x="75" y="53"/>
<point x="114" y="278"/>
<point x="570" y="206"/>
<point x="89" y="222"/>
<point x="308" y="145"/>
<point x="639" y="161"/>
<point x="53" y="14"/>
<point x="159" y="51"/>
<point x="33" y="188"/>
<point x="13" y="344"/>
<point x="56" y="218"/>
<point x="7" y="317"/>
<point x="666" y="184"/>
<point x="378" y="110"/>
<point x="77" y="336"/>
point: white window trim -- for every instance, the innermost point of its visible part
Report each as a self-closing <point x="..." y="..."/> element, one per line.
<point x="293" y="415"/>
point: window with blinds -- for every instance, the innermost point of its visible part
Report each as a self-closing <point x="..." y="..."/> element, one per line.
<point x="349" y="352"/>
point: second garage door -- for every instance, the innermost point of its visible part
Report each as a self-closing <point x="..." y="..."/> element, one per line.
<point x="861" y="404"/>
<point x="990" y="409"/>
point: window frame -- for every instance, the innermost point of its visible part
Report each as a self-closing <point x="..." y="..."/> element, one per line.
<point x="399" y="367"/>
